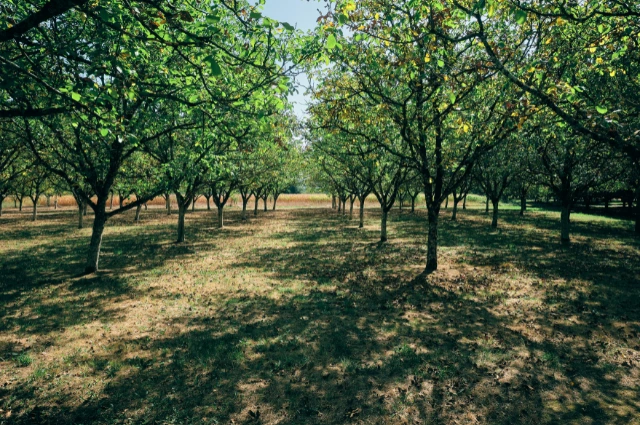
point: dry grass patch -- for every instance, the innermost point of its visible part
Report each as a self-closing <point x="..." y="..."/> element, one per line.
<point x="298" y="317"/>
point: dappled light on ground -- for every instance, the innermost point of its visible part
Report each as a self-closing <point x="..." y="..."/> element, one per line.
<point x="298" y="317"/>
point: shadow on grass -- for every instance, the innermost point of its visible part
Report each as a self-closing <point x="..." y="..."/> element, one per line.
<point x="361" y="342"/>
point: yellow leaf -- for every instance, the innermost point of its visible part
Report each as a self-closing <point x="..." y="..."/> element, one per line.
<point x="427" y="58"/>
<point x="613" y="73"/>
<point x="599" y="61"/>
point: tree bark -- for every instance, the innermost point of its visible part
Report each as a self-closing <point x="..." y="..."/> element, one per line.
<point x="55" y="203"/>
<point x="454" y="214"/>
<point x="244" y="207"/>
<point x="362" y="199"/>
<point x="1" y="201"/>
<point x="344" y="207"/>
<point x="523" y="203"/>
<point x="35" y="210"/>
<point x="138" y="208"/>
<point x="80" y="215"/>
<point x="111" y="204"/>
<point x="494" y="221"/>
<point x="486" y="206"/>
<point x="255" y="209"/>
<point x="168" y="204"/>
<point x="413" y="205"/>
<point x="208" y="203"/>
<point x="264" y="203"/>
<point x="352" y="199"/>
<point x="275" y="199"/>
<point x="432" y="240"/>
<point x="99" y="222"/>
<point x="565" y="222"/>
<point x="464" y="202"/>
<point x="182" y="209"/>
<point x="220" y="216"/>
<point x="20" y="205"/>
<point x="383" y="226"/>
<point x="446" y="203"/>
<point x="84" y="209"/>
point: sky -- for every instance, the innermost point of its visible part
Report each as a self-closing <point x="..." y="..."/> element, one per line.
<point x="303" y="15"/>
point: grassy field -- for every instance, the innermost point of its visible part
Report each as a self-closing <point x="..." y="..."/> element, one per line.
<point x="298" y="317"/>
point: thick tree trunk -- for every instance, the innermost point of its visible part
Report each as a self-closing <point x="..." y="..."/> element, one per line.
<point x="99" y="222"/>
<point x="494" y="221"/>
<point x="138" y="208"/>
<point x="182" y="210"/>
<point x="264" y="204"/>
<point x="244" y="207"/>
<point x="120" y="201"/>
<point x="352" y="199"/>
<point x="432" y="240"/>
<point x="255" y="208"/>
<point x="35" y="210"/>
<point x="523" y="203"/>
<point x="486" y="206"/>
<point x="80" y="215"/>
<point x="208" y="203"/>
<point x="565" y="223"/>
<point x="413" y="205"/>
<point x="193" y="206"/>
<point x="361" y="225"/>
<point x="454" y="214"/>
<point x="383" y="226"/>
<point x="344" y="206"/>
<point x="20" y="205"/>
<point x="220" y="216"/>
<point x="275" y="199"/>
<point x="15" y="202"/>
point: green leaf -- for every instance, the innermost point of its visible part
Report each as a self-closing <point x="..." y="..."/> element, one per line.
<point x="331" y="41"/>
<point x="287" y="26"/>
<point x="104" y="132"/>
<point x="76" y="96"/>
<point x="521" y="17"/>
<point x="256" y="15"/>
<point x="452" y="98"/>
<point x="440" y="63"/>
<point x="601" y="109"/>
<point x="213" y="64"/>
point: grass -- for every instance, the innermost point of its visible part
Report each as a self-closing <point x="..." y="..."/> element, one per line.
<point x="298" y="317"/>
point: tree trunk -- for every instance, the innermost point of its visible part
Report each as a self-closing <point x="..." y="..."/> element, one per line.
<point x="35" y="210"/>
<point x="255" y="209"/>
<point x="55" y="203"/>
<point x="446" y="203"/>
<point x="48" y="201"/>
<point x="275" y="199"/>
<point x="182" y="210"/>
<point x="111" y="204"/>
<point x="333" y="202"/>
<point x="494" y="221"/>
<point x="1" y="201"/>
<point x="413" y="205"/>
<point x="464" y="202"/>
<point x="220" y="216"/>
<point x="486" y="206"/>
<point x="523" y="203"/>
<point x="264" y="203"/>
<point x="145" y="206"/>
<point x="138" y="208"/>
<point x="84" y="209"/>
<point x="80" y="215"/>
<point x="208" y="203"/>
<point x="383" y="226"/>
<point x="193" y="206"/>
<point x="244" y="207"/>
<point x="339" y="204"/>
<point x="99" y="221"/>
<point x="20" y="205"/>
<point x="352" y="199"/>
<point x="362" y="199"/>
<point x="15" y="202"/>
<point x="344" y="207"/>
<point x="454" y="214"/>
<point x="432" y="240"/>
<point x="565" y="221"/>
<point x="120" y="201"/>
<point x="168" y="204"/>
